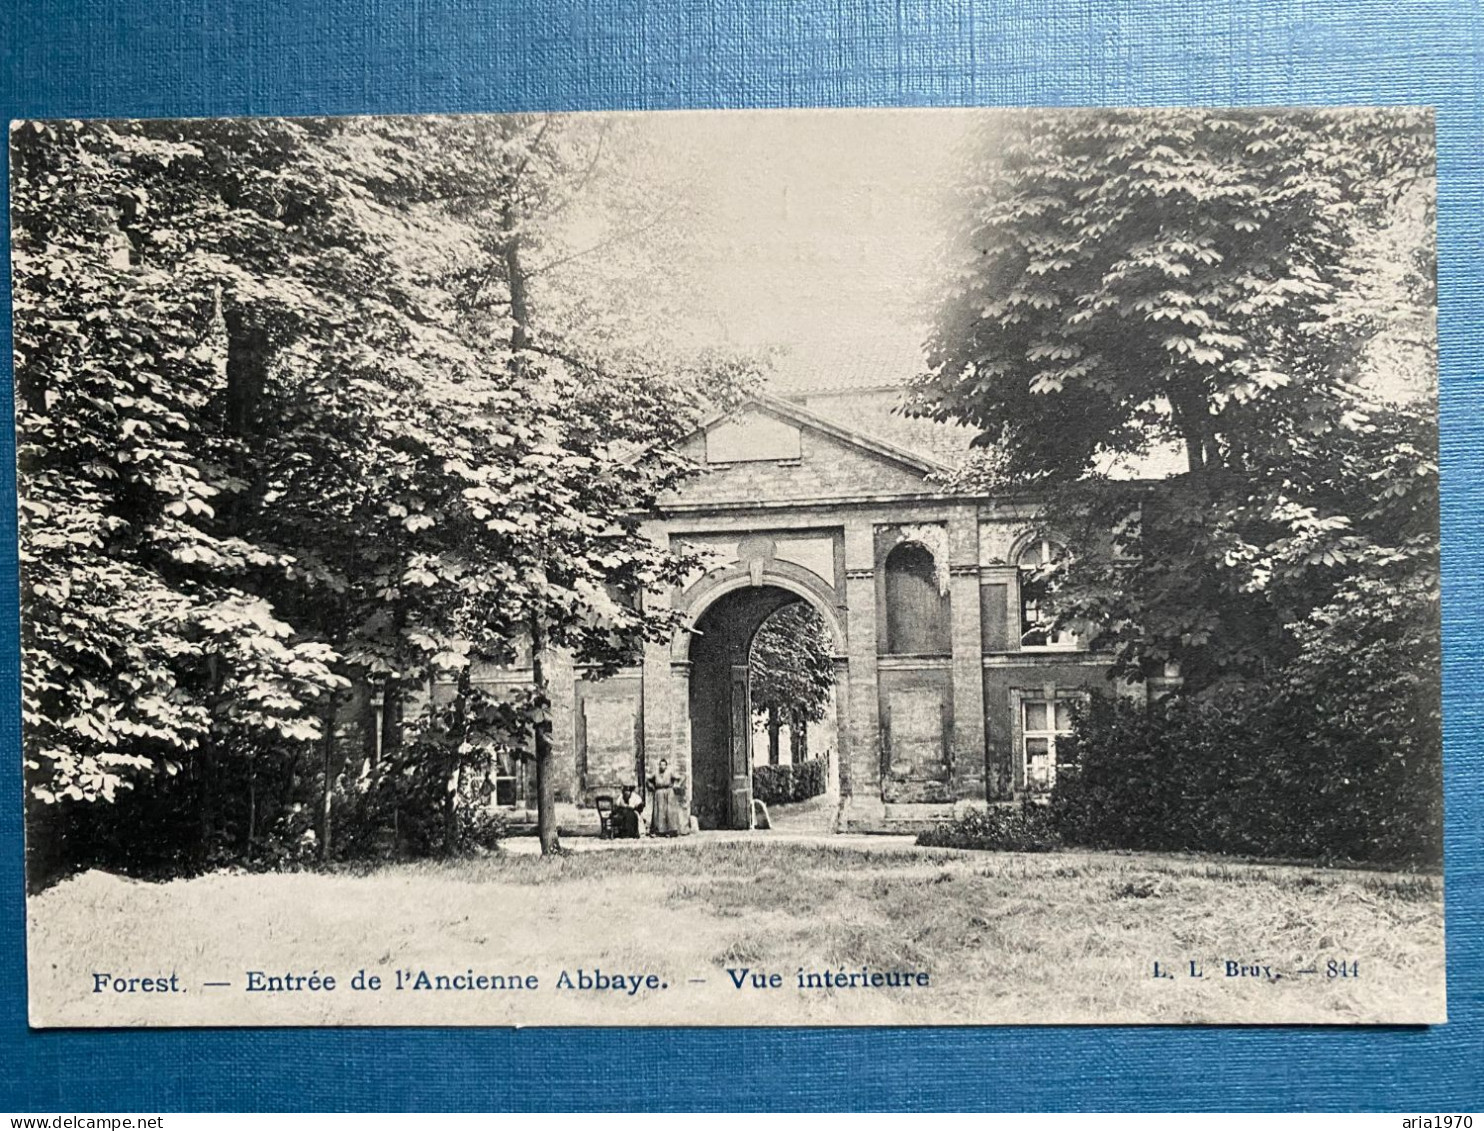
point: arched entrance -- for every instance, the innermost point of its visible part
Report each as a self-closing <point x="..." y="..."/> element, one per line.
<point x="721" y="703"/>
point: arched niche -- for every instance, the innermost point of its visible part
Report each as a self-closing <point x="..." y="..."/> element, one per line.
<point x="916" y="599"/>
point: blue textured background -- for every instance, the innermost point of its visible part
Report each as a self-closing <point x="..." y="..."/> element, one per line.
<point x="157" y="58"/>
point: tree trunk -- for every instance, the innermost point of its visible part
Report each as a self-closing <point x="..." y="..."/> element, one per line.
<point x="1213" y="450"/>
<point x="775" y="724"/>
<point x="798" y="733"/>
<point x="252" y="804"/>
<point x="327" y="792"/>
<point x="247" y="367"/>
<point x="1191" y="413"/>
<point x="520" y="336"/>
<point x="515" y="278"/>
<point x="250" y="352"/>
<point x="520" y="315"/>
<point x="206" y="759"/>
<point x="546" y="824"/>
<point x="453" y="797"/>
<point x="204" y="764"/>
<point x="391" y="717"/>
<point x="1195" y="458"/>
<point x="451" y="807"/>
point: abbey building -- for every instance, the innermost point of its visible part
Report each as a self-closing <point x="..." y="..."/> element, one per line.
<point x="950" y="689"/>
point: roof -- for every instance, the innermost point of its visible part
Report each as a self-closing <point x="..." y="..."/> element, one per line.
<point x="874" y="365"/>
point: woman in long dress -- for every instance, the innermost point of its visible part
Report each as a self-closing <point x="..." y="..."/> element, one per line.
<point x="664" y="818"/>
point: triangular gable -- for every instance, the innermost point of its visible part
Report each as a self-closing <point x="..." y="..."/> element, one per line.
<point x="782" y="455"/>
<point x="801" y="418"/>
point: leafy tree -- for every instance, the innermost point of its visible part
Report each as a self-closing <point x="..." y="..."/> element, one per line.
<point x="1228" y="576"/>
<point x="337" y="412"/>
<point x="297" y="434"/>
<point x="585" y="441"/>
<point x="146" y="648"/>
<point x="1130" y="277"/>
<point x="1127" y="276"/>
<point x="793" y="673"/>
<point x="1125" y="279"/>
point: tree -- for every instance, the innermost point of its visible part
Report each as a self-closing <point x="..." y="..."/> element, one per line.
<point x="235" y="482"/>
<point x="1327" y="741"/>
<point x="147" y="652"/>
<point x="584" y="444"/>
<point x="335" y="412"/>
<point x="793" y="674"/>
<point x="1124" y="276"/>
<point x="1126" y="279"/>
<point x="298" y="435"/>
<point x="571" y="429"/>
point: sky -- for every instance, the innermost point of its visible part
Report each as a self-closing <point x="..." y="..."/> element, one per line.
<point x="814" y="237"/>
<point x="807" y="235"/>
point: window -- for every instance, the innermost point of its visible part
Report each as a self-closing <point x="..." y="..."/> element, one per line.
<point x="1043" y="721"/>
<point x="1037" y="614"/>
<point x="508" y="782"/>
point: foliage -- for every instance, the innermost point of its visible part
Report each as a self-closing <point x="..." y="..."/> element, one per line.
<point x="1257" y="288"/>
<point x="1130" y="278"/>
<point x="1245" y="773"/>
<point x="293" y="443"/>
<point x="784" y="785"/>
<point x="146" y="645"/>
<point x="1120" y="277"/>
<point x="998" y="828"/>
<point x="792" y="672"/>
<point x="583" y="440"/>
<point x="399" y="808"/>
<point x="1234" y="576"/>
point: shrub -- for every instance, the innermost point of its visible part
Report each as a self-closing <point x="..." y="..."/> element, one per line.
<point x="400" y="809"/>
<point x="1000" y="828"/>
<point x="1243" y="772"/>
<point x="782" y="785"/>
<point x="771" y="784"/>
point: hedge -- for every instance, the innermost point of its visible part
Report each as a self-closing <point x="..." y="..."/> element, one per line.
<point x="781" y="785"/>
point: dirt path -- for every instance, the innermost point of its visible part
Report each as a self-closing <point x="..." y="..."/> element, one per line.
<point x="817" y="815"/>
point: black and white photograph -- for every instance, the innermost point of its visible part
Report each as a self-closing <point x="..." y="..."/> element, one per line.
<point x="834" y="567"/>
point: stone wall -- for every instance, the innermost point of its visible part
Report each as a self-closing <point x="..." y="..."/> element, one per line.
<point x="827" y="469"/>
<point x="919" y="735"/>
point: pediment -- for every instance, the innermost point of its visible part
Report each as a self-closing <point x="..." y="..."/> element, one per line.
<point x="752" y="435"/>
<point x="768" y="450"/>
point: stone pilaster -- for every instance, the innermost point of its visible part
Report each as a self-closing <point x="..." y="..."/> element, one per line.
<point x="657" y="698"/>
<point x="967" y="745"/>
<point x="677" y="723"/>
<point x="860" y="767"/>
<point x="560" y="676"/>
<point x="844" y="743"/>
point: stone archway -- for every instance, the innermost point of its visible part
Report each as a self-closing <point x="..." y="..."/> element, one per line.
<point x="720" y="704"/>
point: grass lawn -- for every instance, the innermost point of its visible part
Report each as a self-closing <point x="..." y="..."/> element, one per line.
<point x="1065" y="937"/>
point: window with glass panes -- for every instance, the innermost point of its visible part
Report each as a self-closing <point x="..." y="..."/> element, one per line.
<point x="509" y="780"/>
<point x="1036" y="614"/>
<point x="1043" y="722"/>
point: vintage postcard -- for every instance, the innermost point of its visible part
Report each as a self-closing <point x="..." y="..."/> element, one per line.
<point x="759" y="568"/>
